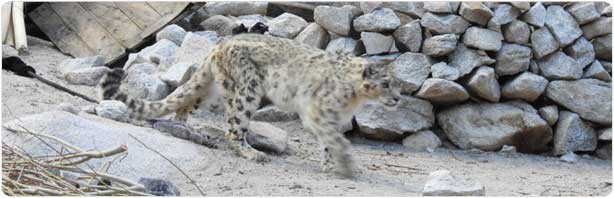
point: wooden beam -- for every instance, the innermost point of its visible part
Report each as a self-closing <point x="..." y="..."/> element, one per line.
<point x="115" y="22"/>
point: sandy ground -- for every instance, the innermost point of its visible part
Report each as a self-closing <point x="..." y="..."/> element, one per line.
<point x="385" y="169"/>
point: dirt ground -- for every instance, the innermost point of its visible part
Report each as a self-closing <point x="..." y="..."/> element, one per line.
<point x="385" y="169"/>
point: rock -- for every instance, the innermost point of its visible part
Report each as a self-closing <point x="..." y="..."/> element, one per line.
<point x="135" y="58"/>
<point x="195" y="48"/>
<point x="583" y="12"/>
<point x="533" y="67"/>
<point x="220" y="24"/>
<point x="508" y="149"/>
<point x="569" y="158"/>
<point x="521" y="5"/>
<point x="404" y="18"/>
<point x="345" y="44"/>
<point x="409" y="36"/>
<point x="562" y="25"/>
<point x="607" y="11"/>
<point x="516" y="32"/>
<point x="380" y="20"/>
<point x="286" y="25"/>
<point x="483" y="84"/>
<point x="536" y="15"/>
<point x="440" y="45"/>
<point x="8" y="51"/>
<point x="512" y="59"/>
<point x="605" y="152"/>
<point x="422" y="140"/>
<point x="526" y="86"/>
<point x="266" y="137"/>
<point x="558" y="66"/>
<point x="573" y="134"/>
<point x="442" y="70"/>
<point x="482" y="126"/>
<point x="159" y="187"/>
<point x="601" y="26"/>
<point x="410" y="116"/>
<point x="550" y="114"/>
<point x="178" y="74"/>
<point x="376" y="43"/>
<point x="382" y="59"/>
<point x="465" y="59"/>
<point x="444" y="23"/>
<point x="313" y="35"/>
<point x="113" y="109"/>
<point x="475" y="12"/>
<point x="582" y="51"/>
<point x="410" y="69"/>
<point x="440" y="6"/>
<point x="607" y="65"/>
<point x="442" y="91"/>
<point x="145" y="86"/>
<point x="605" y="134"/>
<point x="69" y="65"/>
<point x="236" y="8"/>
<point x="603" y="47"/>
<point x="335" y="19"/>
<point x="504" y="13"/>
<point x="413" y="9"/>
<point x="589" y="98"/>
<point x="172" y="33"/>
<point x="369" y="6"/>
<point x="160" y="50"/>
<point x="86" y="76"/>
<point x="597" y="71"/>
<point x="68" y="107"/>
<point x="443" y="183"/>
<point x="543" y="42"/>
<point x="481" y="38"/>
<point x="273" y="114"/>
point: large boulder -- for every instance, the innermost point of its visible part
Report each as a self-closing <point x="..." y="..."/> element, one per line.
<point x="601" y="26"/>
<point x="442" y="91"/>
<point x="543" y="43"/>
<point x="536" y="15"/>
<point x="512" y="59"/>
<point x="376" y="43"/>
<point x="195" y="48"/>
<point x="558" y="66"/>
<point x="411" y="69"/>
<point x="440" y="45"/>
<point x="409" y="36"/>
<point x="584" y="12"/>
<point x="484" y="39"/>
<point x="526" y="86"/>
<point x="573" y="134"/>
<point x="466" y="59"/>
<point x="313" y="35"/>
<point x="286" y="25"/>
<point x="475" y="12"/>
<point x="380" y="20"/>
<point x="483" y="84"/>
<point x="171" y="32"/>
<point x="563" y="26"/>
<point x="582" y="51"/>
<point x="516" y="32"/>
<point x="334" y="19"/>
<point x="589" y="98"/>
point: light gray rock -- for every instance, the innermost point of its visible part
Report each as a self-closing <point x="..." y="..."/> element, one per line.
<point x="570" y="157"/>
<point x="69" y="65"/>
<point x="236" y="8"/>
<point x="422" y="141"/>
<point x="195" y="48"/>
<point x="369" y="6"/>
<point x="523" y="6"/>
<point x="172" y="33"/>
<point x="484" y="39"/>
<point x="313" y="35"/>
<point x="475" y="12"/>
<point x="158" y="51"/>
<point x="583" y="12"/>
<point x="589" y="98"/>
<point x="142" y="83"/>
<point x="410" y="116"/>
<point x="444" y="23"/>
<point x="442" y="91"/>
<point x="286" y="25"/>
<point x="440" y="6"/>
<point x="481" y="126"/>
<point x="607" y="65"/>
<point x="605" y="134"/>
<point x="543" y="42"/>
<point x="443" y="183"/>
<point x="135" y="58"/>
<point x="380" y="20"/>
<point x="113" y="109"/>
<point x="412" y="8"/>
<point x="512" y="59"/>
<point x="558" y="66"/>
<point x="178" y="74"/>
<point x="334" y="19"/>
<point x="376" y="43"/>
<point x="86" y="76"/>
<point x="267" y="137"/>
<point x="8" y="51"/>
<point x="410" y="69"/>
<point x="440" y="45"/>
<point x="597" y="71"/>
<point x="516" y="32"/>
<point x="550" y="114"/>
<point x="504" y="13"/>
<point x="444" y="71"/>
<point x="601" y="26"/>
<point x="345" y="44"/>
<point x="222" y="25"/>
<point x="159" y="187"/>
<point x="273" y="114"/>
<point x="465" y="59"/>
<point x="605" y="152"/>
<point x="409" y="36"/>
<point x="582" y="51"/>
<point x="536" y="15"/>
<point x="573" y="134"/>
<point x="483" y="84"/>
<point x="526" y="86"/>
<point x="533" y="67"/>
<point x="68" y="107"/>
<point x="603" y="47"/>
<point x="562" y="25"/>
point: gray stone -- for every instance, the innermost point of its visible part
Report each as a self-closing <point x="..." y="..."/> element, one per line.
<point x="569" y="158"/>
<point x="489" y="126"/>
<point x="382" y="59"/>
<point x="605" y="152"/>
<point x="573" y="134"/>
<point x="494" y="27"/>
<point x="86" y="76"/>
<point x="442" y="91"/>
<point x="516" y="32"/>
<point x="286" y="25"/>
<point x="178" y="74"/>
<point x="422" y="141"/>
<point x="68" y="107"/>
<point x="404" y="18"/>
<point x="504" y="13"/>
<point x="440" y="45"/>
<point x="533" y="67"/>
<point x="369" y="6"/>
<point x="483" y="84"/>
<point x="465" y="59"/>
<point x="313" y="35"/>
<point x="526" y="86"/>
<point x="583" y="12"/>
<point x="512" y="59"/>
<point x="8" y="51"/>
<point x="160" y="50"/>
<point x="334" y="19"/>
<point x="599" y="27"/>
<point x="442" y="70"/>
<point x="145" y="85"/>
<point x="582" y="51"/>
<point x="135" y="58"/>
<point x="603" y="47"/>
<point x="410" y="116"/>
<point x="171" y="32"/>
<point x="222" y="25"/>
<point x="376" y="43"/>
<point x="558" y="66"/>
<point x="443" y="183"/>
<point x="380" y="20"/>
<point x="345" y="44"/>
<point x="196" y="47"/>
<point x="607" y="65"/>
<point x="589" y="98"/>
<point x="273" y="114"/>
<point x="484" y="39"/>
<point x="536" y="15"/>
<point x="562" y="25"/>
<point x="521" y="5"/>
<point x="475" y="12"/>
<point x="267" y="137"/>
<point x="410" y="69"/>
<point x="69" y="65"/>
<point x="159" y="187"/>
<point x="550" y="114"/>
<point x="444" y="23"/>
<point x="597" y="71"/>
<point x="236" y="8"/>
<point x="409" y="36"/>
<point x="113" y="109"/>
<point x="605" y="134"/>
<point x="414" y="9"/>
<point x="543" y="42"/>
<point x="440" y="6"/>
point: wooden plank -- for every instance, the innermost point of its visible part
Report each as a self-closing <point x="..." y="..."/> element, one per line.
<point x="168" y="8"/>
<point x="86" y="26"/>
<point x="140" y="13"/>
<point x="169" y="18"/>
<point x="115" y="22"/>
<point x="64" y="38"/>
